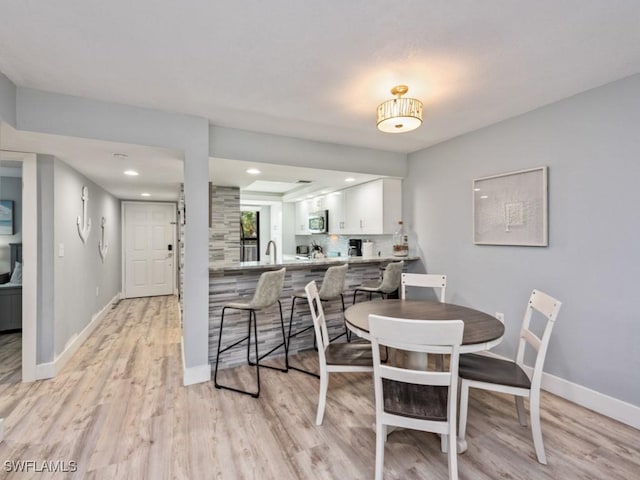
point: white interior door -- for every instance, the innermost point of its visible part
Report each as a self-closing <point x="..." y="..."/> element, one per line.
<point x="150" y="246"/>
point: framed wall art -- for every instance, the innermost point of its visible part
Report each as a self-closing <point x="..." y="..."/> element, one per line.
<point x="6" y="217"/>
<point x="511" y="209"/>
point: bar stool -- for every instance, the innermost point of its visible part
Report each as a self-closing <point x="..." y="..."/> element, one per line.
<point x="331" y="289"/>
<point x="267" y="293"/>
<point x="389" y="284"/>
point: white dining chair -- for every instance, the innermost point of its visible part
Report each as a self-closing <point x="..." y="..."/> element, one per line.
<point x="489" y="373"/>
<point x="416" y="399"/>
<point x="423" y="280"/>
<point x="333" y="357"/>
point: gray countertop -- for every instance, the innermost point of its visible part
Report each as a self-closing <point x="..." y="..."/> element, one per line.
<point x="291" y="262"/>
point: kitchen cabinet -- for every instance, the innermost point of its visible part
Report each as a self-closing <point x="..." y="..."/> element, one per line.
<point x="334" y="202"/>
<point x="303" y="209"/>
<point x="372" y="208"/>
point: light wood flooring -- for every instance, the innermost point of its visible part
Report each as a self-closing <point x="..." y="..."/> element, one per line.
<point x="120" y="411"/>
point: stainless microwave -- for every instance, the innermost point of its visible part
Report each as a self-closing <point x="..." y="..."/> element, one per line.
<point x="319" y="221"/>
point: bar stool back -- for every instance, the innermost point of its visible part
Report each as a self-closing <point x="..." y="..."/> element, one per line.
<point x="268" y="292"/>
<point x="331" y="289"/>
<point x="389" y="284"/>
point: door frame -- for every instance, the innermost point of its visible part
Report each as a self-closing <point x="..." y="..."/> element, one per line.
<point x="123" y="233"/>
<point x="30" y="269"/>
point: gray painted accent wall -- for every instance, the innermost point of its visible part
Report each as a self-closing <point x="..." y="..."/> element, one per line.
<point x="592" y="147"/>
<point x="81" y="271"/>
<point x="11" y="189"/>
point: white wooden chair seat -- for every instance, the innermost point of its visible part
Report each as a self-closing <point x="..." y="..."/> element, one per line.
<point x="424" y="402"/>
<point x="349" y="354"/>
<point x="493" y="370"/>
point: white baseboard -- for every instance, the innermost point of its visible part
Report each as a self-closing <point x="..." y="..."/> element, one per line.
<point x="193" y="375"/>
<point x="598" y="402"/>
<point x="51" y="369"/>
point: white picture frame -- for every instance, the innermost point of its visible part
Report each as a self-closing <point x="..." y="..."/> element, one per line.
<point x="511" y="209"/>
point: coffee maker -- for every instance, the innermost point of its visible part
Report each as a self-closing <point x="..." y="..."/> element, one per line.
<point x="355" y="247"/>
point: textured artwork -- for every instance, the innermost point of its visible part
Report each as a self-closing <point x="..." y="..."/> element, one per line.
<point x="511" y="209"/>
<point x="6" y="217"/>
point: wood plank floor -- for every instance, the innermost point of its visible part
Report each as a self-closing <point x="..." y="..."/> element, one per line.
<point x="119" y="410"/>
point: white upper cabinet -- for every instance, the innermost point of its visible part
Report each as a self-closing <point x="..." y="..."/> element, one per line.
<point x="334" y="202"/>
<point x="303" y="209"/>
<point x="373" y="208"/>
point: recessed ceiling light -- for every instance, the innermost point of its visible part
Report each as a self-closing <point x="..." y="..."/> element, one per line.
<point x="349" y="179"/>
<point x="476" y="189"/>
<point x="131" y="173"/>
<point x="145" y="194"/>
<point x="253" y="171"/>
<point x="309" y="196"/>
<point x="324" y="192"/>
<point x="484" y="196"/>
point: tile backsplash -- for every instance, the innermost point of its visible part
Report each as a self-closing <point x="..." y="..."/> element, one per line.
<point x="340" y="243"/>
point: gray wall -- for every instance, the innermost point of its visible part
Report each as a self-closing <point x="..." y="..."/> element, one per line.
<point x="261" y="147"/>
<point x="46" y="218"/>
<point x="81" y="271"/>
<point x="7" y="101"/>
<point x="11" y="189"/>
<point x="57" y="114"/>
<point x="592" y="147"/>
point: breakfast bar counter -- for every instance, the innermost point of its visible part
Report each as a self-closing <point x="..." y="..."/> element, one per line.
<point x="228" y="281"/>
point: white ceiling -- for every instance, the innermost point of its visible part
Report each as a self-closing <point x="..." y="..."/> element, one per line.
<point x="317" y="70"/>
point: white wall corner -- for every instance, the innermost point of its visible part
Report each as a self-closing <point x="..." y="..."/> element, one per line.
<point x="598" y="402"/>
<point x="51" y="369"/>
<point x="193" y="375"/>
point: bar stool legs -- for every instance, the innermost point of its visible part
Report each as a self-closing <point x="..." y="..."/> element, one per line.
<point x="290" y="335"/>
<point x="257" y="364"/>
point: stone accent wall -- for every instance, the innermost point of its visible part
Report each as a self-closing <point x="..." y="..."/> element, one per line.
<point x="224" y="234"/>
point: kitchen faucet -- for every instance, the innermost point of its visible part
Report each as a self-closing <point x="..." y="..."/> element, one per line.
<point x="275" y="250"/>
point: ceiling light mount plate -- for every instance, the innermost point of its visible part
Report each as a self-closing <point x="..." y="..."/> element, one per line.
<point x="400" y="114"/>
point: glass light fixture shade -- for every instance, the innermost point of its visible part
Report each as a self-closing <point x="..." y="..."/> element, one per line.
<point x="399" y="115"/>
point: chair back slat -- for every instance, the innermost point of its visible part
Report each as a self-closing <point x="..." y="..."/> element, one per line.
<point x="319" y="321"/>
<point x="548" y="307"/>
<point x="425" y="281"/>
<point x="419" y="334"/>
<point x="421" y="377"/>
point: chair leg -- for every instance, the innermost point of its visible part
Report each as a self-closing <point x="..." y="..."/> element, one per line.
<point x="536" y="430"/>
<point x="322" y="396"/>
<point x="289" y="366"/>
<point x="293" y="304"/>
<point x="464" y="405"/>
<point x="452" y="452"/>
<point x="522" y="415"/>
<point x="215" y="373"/>
<point x="346" y="330"/>
<point x="355" y="292"/>
<point x="283" y="344"/>
<point x="249" y="342"/>
<point x="255" y="394"/>
<point x="381" y="438"/>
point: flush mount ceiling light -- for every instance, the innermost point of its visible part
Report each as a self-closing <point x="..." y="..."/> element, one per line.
<point x="400" y="114"/>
